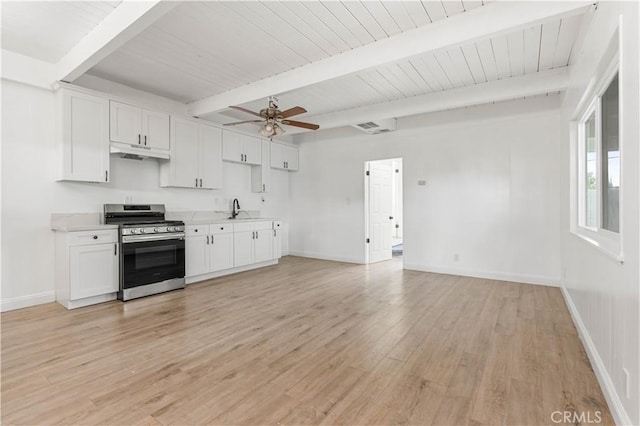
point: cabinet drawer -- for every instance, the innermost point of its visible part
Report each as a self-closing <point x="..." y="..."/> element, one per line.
<point x="221" y="228"/>
<point x="195" y="230"/>
<point x="93" y="237"/>
<point x="259" y="226"/>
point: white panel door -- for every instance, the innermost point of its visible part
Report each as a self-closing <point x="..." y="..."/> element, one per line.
<point x="196" y="255"/>
<point x="252" y="150"/>
<point x="263" y="246"/>
<point x="277" y="244"/>
<point x="210" y="139"/>
<point x="291" y="156"/>
<point x="155" y="129"/>
<point x="243" y="248"/>
<point x="380" y="202"/>
<point x="184" y="153"/>
<point x="85" y="136"/>
<point x="221" y="252"/>
<point x="125" y="123"/>
<point x="232" y="147"/>
<point x="93" y="270"/>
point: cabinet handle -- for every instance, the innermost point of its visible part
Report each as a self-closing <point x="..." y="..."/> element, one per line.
<point x="241" y="157"/>
<point x="95" y="237"/>
<point x="263" y="187"/>
<point x="253" y="235"/>
<point x="106" y="175"/>
<point x="257" y="235"/>
<point x="145" y="139"/>
<point x="115" y="249"/>
<point x="212" y="240"/>
<point x="138" y="138"/>
<point x="207" y="240"/>
<point x="196" y="182"/>
<point x="274" y="232"/>
<point x="200" y="182"/>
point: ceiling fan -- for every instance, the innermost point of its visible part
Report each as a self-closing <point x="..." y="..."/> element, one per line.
<point x="273" y="118"/>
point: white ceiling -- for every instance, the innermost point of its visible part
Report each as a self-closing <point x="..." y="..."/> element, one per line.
<point x="47" y="30"/>
<point x="199" y="50"/>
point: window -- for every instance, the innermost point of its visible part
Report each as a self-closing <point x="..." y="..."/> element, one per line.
<point x="599" y="156"/>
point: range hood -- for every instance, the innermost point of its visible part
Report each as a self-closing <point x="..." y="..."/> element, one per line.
<point x="138" y="152"/>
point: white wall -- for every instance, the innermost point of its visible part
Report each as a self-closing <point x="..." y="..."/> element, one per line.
<point x="30" y="195"/>
<point x="603" y="293"/>
<point x="491" y="183"/>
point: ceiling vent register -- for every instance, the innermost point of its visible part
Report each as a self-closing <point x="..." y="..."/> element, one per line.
<point x="376" y="127"/>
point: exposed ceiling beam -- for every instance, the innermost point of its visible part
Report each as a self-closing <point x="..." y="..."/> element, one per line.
<point x="27" y="70"/>
<point x="477" y="94"/>
<point x="125" y="22"/>
<point x="480" y="23"/>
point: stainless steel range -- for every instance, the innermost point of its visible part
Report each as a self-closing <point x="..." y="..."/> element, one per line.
<point x="151" y="249"/>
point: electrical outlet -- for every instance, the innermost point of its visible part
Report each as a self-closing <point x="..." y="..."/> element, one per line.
<point x="422" y="182"/>
<point x="128" y="199"/>
<point x="456" y="257"/>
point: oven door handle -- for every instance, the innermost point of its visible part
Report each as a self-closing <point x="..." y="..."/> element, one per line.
<point x="140" y="238"/>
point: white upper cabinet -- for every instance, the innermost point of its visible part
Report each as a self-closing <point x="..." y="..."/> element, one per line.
<point x="284" y="157"/>
<point x="261" y="175"/>
<point x="210" y="158"/>
<point x="196" y="156"/>
<point x="83" y="136"/>
<point x="133" y="125"/>
<point x="241" y="148"/>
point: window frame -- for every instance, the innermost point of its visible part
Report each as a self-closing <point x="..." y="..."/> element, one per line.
<point x="607" y="241"/>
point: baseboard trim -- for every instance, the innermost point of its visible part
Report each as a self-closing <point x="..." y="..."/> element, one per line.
<point x="323" y="256"/>
<point x="212" y="275"/>
<point x="26" y="301"/>
<point x="606" y="384"/>
<point x="491" y="275"/>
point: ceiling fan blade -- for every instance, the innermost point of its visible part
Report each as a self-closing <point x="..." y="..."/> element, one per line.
<point x="292" y="111"/>
<point x="245" y="110"/>
<point x="243" y="122"/>
<point x="301" y="124"/>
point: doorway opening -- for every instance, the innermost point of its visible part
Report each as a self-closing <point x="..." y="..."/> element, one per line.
<point x="383" y="210"/>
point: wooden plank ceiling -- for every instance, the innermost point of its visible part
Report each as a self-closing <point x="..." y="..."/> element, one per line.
<point x="202" y="49"/>
<point x="47" y="30"/>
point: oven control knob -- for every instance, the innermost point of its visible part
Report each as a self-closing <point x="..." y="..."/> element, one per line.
<point x="143" y="231"/>
<point x="171" y="229"/>
<point x="133" y="231"/>
<point x="156" y="230"/>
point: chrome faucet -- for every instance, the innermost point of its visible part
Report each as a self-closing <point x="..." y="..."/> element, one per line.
<point x="234" y="212"/>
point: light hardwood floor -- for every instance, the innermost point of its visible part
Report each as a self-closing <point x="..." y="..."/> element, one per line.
<point x="303" y="342"/>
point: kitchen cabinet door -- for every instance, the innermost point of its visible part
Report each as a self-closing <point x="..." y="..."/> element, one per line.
<point x="252" y="148"/>
<point x="284" y="157"/>
<point x="155" y="129"/>
<point x="210" y="158"/>
<point x="277" y="239"/>
<point x="263" y="246"/>
<point x="125" y="123"/>
<point x="291" y="157"/>
<point x="221" y="252"/>
<point x="83" y="137"/>
<point x="196" y="255"/>
<point x="184" y="153"/>
<point x="261" y="175"/>
<point x="232" y="147"/>
<point x="93" y="270"/>
<point x="243" y="248"/>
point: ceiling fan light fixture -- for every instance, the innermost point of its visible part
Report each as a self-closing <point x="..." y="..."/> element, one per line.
<point x="278" y="130"/>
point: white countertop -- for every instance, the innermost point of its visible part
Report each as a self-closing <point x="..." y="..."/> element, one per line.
<point x="214" y="221"/>
<point x="88" y="227"/>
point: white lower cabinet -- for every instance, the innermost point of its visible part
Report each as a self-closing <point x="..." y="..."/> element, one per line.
<point x="224" y="247"/>
<point x="87" y="267"/>
<point x="208" y="248"/>
<point x="253" y="243"/>
<point x="277" y="240"/>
